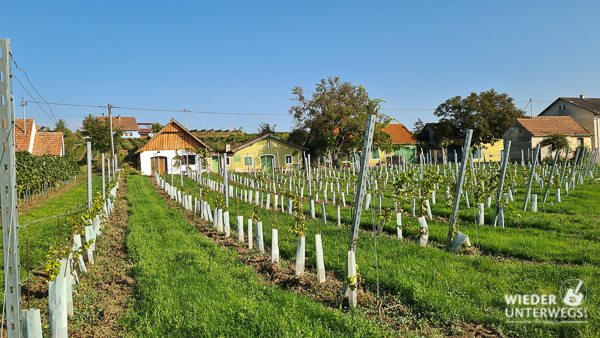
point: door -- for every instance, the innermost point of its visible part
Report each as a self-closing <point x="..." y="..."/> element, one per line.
<point x="159" y="164"/>
<point x="266" y="163"/>
<point x="215" y="164"/>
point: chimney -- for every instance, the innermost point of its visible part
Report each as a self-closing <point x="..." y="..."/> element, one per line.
<point x="227" y="147"/>
<point x="581" y="97"/>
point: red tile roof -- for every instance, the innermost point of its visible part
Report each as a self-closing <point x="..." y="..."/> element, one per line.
<point x="400" y="135"/>
<point x="548" y="125"/>
<point x="48" y="143"/>
<point x="23" y="140"/>
<point x="123" y="122"/>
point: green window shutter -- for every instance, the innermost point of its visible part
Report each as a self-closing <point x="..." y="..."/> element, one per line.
<point x="237" y="158"/>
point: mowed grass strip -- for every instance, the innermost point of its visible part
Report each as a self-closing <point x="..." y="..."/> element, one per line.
<point x="443" y="286"/>
<point x="187" y="286"/>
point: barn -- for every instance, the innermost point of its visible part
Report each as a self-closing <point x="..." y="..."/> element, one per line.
<point x="161" y="152"/>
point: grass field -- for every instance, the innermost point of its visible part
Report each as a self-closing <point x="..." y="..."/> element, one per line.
<point x="187" y="286"/>
<point x="446" y="287"/>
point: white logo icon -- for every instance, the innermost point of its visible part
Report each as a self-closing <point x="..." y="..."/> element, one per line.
<point x="574" y="297"/>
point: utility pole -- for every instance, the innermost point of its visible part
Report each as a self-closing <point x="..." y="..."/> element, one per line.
<point x="8" y="202"/>
<point x="531" y="107"/>
<point x="23" y="104"/>
<point x="186" y="111"/>
<point x="112" y="144"/>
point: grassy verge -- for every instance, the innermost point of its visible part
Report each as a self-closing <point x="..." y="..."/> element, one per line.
<point x="187" y="286"/>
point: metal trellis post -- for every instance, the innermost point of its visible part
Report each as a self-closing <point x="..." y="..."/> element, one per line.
<point x="8" y="199"/>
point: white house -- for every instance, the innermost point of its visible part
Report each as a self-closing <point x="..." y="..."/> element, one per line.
<point x="160" y="152"/>
<point x="127" y="124"/>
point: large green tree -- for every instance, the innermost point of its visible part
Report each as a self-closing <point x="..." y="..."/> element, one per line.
<point x="488" y="113"/>
<point x="335" y="116"/>
<point x="98" y="132"/>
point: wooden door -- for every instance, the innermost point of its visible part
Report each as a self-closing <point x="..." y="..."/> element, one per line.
<point x="159" y="164"/>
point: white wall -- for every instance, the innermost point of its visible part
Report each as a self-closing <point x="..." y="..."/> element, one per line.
<point x="146" y="161"/>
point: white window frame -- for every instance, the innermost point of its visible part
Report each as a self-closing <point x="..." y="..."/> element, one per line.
<point x="291" y="161"/>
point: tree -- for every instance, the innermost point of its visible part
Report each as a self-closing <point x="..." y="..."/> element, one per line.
<point x="61" y="126"/>
<point x="98" y="132"/>
<point x="156" y="127"/>
<point x="265" y="128"/>
<point x="298" y="136"/>
<point x="417" y="127"/>
<point x="557" y="141"/>
<point x="488" y="113"/>
<point x="336" y="114"/>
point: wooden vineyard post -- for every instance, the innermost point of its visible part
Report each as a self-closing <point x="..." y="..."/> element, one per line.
<point x="459" y="185"/>
<point x="550" y="176"/>
<point x="531" y="175"/>
<point x="8" y="201"/>
<point x="501" y="183"/>
<point x="359" y="197"/>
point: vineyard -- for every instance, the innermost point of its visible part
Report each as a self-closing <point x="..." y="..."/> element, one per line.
<point x="404" y="228"/>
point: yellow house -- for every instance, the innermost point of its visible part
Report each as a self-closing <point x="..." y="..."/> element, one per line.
<point x="264" y="153"/>
<point x="488" y="152"/>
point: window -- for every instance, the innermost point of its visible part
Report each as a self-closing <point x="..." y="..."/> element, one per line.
<point x="375" y="154"/>
<point x="288" y="159"/>
<point x="188" y="159"/>
<point x="247" y="161"/>
<point x="228" y="161"/>
<point x="477" y="153"/>
<point x="580" y="142"/>
<point x="268" y="144"/>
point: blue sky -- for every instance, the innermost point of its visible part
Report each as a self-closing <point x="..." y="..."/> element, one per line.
<point x="245" y="56"/>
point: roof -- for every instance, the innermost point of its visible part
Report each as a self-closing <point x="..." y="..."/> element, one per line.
<point x="48" y="143"/>
<point x="122" y="122"/>
<point x="590" y="104"/>
<point x="262" y="137"/>
<point x="548" y="125"/>
<point x="23" y="140"/>
<point x="172" y="127"/>
<point x="400" y="135"/>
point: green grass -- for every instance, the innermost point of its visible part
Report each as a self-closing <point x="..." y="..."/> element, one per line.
<point x="446" y="287"/>
<point x="546" y="237"/>
<point x="187" y="286"/>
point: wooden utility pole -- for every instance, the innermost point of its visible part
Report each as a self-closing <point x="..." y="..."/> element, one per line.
<point x="112" y="144"/>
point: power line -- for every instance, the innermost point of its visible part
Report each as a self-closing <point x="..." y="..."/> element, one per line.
<point x="409" y="109"/>
<point x="161" y="110"/>
<point x="38" y="103"/>
<point x="32" y="86"/>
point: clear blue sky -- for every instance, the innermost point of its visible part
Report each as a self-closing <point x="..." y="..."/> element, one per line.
<point x="245" y="56"/>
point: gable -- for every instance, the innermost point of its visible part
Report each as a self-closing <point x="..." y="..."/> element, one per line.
<point x="266" y="136"/>
<point x="173" y="137"/>
<point x="400" y="135"/>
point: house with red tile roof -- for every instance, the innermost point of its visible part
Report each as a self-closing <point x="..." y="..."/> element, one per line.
<point x="28" y="138"/>
<point x="405" y="143"/>
<point x="584" y="110"/>
<point x="526" y="133"/>
<point x="127" y="124"/>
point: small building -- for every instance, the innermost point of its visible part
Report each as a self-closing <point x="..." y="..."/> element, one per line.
<point x="404" y="143"/>
<point x="145" y="130"/>
<point x="127" y="124"/>
<point x="162" y="150"/>
<point x="265" y="153"/>
<point x="585" y="111"/>
<point x="526" y="133"/>
<point x="28" y="138"/>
